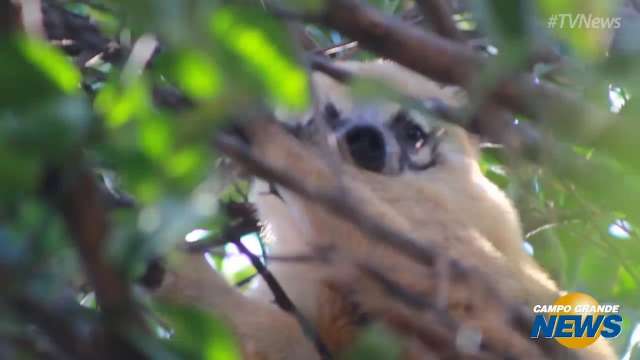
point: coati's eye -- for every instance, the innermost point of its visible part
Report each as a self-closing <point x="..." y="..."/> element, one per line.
<point x="408" y="132"/>
<point x="419" y="147"/>
<point x="415" y="135"/>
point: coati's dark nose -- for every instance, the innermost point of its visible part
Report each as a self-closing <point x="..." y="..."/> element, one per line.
<point x="366" y="146"/>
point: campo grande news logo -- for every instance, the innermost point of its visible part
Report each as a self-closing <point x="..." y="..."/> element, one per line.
<point x="576" y="320"/>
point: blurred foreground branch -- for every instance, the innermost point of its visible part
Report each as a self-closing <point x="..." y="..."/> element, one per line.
<point x="452" y="63"/>
<point x="75" y="193"/>
<point x="333" y="200"/>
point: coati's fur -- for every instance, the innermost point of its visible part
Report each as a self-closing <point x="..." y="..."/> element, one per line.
<point x="448" y="205"/>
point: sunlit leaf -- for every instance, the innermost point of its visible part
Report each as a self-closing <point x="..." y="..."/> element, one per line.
<point x="185" y="161"/>
<point x="25" y="83"/>
<point x="52" y="63"/>
<point x="148" y="191"/>
<point x="120" y="105"/>
<point x="156" y="136"/>
<point x="259" y="43"/>
<point x="198" y="75"/>
<point x="199" y="335"/>
<point x="242" y="275"/>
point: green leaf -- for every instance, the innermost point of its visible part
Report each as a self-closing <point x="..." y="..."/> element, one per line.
<point x="198" y="75"/>
<point x="375" y="343"/>
<point x="52" y="63"/>
<point x="241" y="275"/>
<point x="597" y="273"/>
<point x="107" y="21"/>
<point x="19" y="173"/>
<point x="41" y="134"/>
<point x="119" y="105"/>
<point x="511" y="18"/>
<point x="308" y="6"/>
<point x="198" y="335"/>
<point x="156" y="136"/>
<point x="261" y="44"/>
<point x="26" y="83"/>
<point x="186" y="161"/>
<point x="593" y="178"/>
<point x="626" y="286"/>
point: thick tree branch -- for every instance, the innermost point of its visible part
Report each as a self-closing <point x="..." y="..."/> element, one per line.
<point x="334" y="201"/>
<point x="448" y="62"/>
<point x="321" y="64"/>
<point x="429" y="54"/>
<point x="81" y="34"/>
<point x="440" y="14"/>
<point x="86" y="220"/>
<point x="76" y="194"/>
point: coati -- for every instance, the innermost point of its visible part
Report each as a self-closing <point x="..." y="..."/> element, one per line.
<point x="411" y="173"/>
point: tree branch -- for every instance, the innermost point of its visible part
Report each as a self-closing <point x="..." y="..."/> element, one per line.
<point x="440" y="14"/>
<point x="321" y="64"/>
<point x="448" y="62"/>
<point x="76" y="194"/>
<point x="334" y="201"/>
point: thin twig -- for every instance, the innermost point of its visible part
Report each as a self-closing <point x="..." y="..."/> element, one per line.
<point x="284" y="302"/>
<point x="243" y="214"/>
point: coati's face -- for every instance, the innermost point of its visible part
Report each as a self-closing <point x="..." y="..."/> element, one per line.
<point x="387" y="139"/>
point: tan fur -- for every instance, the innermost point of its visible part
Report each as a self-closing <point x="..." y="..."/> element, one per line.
<point x="451" y="207"/>
<point x="192" y="282"/>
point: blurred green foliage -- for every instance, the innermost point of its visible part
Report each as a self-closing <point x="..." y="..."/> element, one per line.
<point x="197" y="335"/>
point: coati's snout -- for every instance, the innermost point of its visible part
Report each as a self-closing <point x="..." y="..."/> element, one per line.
<point x="384" y="139"/>
<point x="366" y="145"/>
